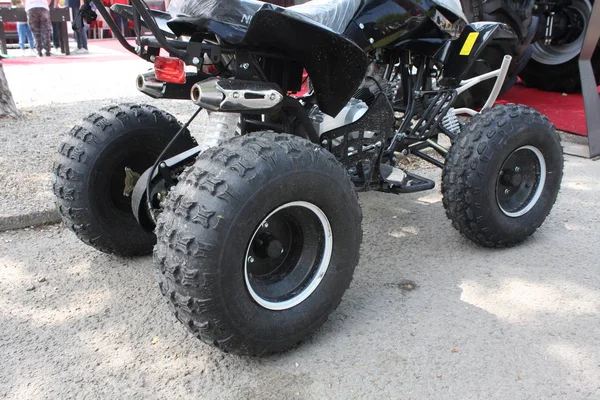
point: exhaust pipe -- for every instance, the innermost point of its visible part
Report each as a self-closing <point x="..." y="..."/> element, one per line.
<point x="232" y="95"/>
<point x="149" y="85"/>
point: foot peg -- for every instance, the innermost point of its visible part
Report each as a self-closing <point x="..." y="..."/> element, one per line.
<point x="396" y="180"/>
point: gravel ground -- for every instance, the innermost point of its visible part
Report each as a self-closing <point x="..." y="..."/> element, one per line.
<point x="51" y="108"/>
<point x="429" y="315"/>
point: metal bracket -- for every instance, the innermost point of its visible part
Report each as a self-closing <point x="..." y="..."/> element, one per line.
<point x="589" y="86"/>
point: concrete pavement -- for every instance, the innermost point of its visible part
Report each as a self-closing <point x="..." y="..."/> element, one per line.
<point x="428" y="315"/>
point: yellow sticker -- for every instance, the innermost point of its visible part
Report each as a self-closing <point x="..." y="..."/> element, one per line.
<point x="469" y="43"/>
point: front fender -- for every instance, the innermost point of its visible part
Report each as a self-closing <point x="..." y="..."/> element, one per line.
<point x="462" y="52"/>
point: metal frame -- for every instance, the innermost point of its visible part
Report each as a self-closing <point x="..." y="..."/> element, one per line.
<point x="499" y="74"/>
<point x="589" y="86"/>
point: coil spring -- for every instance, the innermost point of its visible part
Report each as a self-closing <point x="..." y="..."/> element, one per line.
<point x="450" y="122"/>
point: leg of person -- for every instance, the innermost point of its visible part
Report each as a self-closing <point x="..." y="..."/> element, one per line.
<point x="30" y="38"/>
<point x="84" y="31"/>
<point x="22" y="36"/>
<point x="34" y="21"/>
<point x="46" y="30"/>
<point x="74" y="12"/>
<point x="55" y="35"/>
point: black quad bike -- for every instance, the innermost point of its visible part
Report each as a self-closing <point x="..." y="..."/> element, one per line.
<point x="256" y="239"/>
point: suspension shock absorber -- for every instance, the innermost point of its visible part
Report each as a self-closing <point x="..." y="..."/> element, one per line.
<point x="451" y="123"/>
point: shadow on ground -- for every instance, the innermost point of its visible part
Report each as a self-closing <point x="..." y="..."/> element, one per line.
<point x="429" y="315"/>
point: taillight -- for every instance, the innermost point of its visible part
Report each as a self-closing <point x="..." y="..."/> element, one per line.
<point x="169" y="69"/>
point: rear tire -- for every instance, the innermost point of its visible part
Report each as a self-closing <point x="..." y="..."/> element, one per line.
<point x="562" y="78"/>
<point x="89" y="174"/>
<point x="242" y="245"/>
<point x="502" y="175"/>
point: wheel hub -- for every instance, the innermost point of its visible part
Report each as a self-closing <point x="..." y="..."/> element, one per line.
<point x="513" y="179"/>
<point x="521" y="181"/>
<point x="288" y="255"/>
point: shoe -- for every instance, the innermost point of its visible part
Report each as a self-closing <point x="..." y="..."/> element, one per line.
<point x="33" y="52"/>
<point x="76" y="51"/>
<point x="48" y="54"/>
<point x="83" y="51"/>
<point x="23" y="53"/>
<point x="39" y="55"/>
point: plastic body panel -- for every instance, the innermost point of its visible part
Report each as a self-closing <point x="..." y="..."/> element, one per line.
<point x="383" y="23"/>
<point x="336" y="65"/>
<point x="462" y="54"/>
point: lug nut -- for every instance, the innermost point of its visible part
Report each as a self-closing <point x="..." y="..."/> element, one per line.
<point x="517" y="169"/>
<point x="250" y="259"/>
<point x="506" y="191"/>
<point x="265" y="225"/>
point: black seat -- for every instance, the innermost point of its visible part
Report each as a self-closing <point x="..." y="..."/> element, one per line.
<point x="198" y="15"/>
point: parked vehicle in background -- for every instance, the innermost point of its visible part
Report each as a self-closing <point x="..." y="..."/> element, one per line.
<point x="551" y="34"/>
<point x="10" y="28"/>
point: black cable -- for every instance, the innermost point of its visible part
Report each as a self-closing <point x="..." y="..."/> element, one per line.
<point x="376" y="82"/>
<point x="160" y="157"/>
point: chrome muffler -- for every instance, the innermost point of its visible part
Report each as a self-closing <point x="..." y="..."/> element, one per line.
<point x="232" y="95"/>
<point x="148" y="84"/>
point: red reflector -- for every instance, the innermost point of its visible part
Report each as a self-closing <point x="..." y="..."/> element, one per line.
<point x="210" y="69"/>
<point x="169" y="69"/>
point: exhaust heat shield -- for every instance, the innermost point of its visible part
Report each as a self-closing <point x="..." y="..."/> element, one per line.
<point x="232" y="95"/>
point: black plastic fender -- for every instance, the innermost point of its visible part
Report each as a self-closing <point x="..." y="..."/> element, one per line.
<point x="335" y="64"/>
<point x="463" y="51"/>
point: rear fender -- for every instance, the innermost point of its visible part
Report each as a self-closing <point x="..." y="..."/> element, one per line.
<point x="336" y="65"/>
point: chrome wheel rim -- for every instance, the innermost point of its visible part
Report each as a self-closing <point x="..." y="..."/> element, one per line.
<point x="288" y="255"/>
<point x="521" y="181"/>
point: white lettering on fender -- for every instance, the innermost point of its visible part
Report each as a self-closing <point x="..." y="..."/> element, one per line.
<point x="246" y="19"/>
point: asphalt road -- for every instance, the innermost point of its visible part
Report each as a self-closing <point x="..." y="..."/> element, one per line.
<point x="428" y="316"/>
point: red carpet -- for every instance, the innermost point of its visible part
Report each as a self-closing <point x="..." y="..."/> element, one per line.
<point x="565" y="111"/>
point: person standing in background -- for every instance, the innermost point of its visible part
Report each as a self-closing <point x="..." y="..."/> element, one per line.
<point x="25" y="35"/>
<point x="80" y="33"/>
<point x="55" y="27"/>
<point x="119" y="19"/>
<point x="38" y="18"/>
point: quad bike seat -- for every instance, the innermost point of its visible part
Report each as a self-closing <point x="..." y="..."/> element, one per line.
<point x="230" y="18"/>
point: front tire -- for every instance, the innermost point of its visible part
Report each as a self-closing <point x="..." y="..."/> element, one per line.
<point x="502" y="176"/>
<point x="89" y="174"/>
<point x="258" y="242"/>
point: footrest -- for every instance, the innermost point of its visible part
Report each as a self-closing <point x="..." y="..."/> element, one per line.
<point x="400" y="181"/>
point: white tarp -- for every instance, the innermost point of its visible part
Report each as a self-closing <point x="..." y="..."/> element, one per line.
<point x="335" y="14"/>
